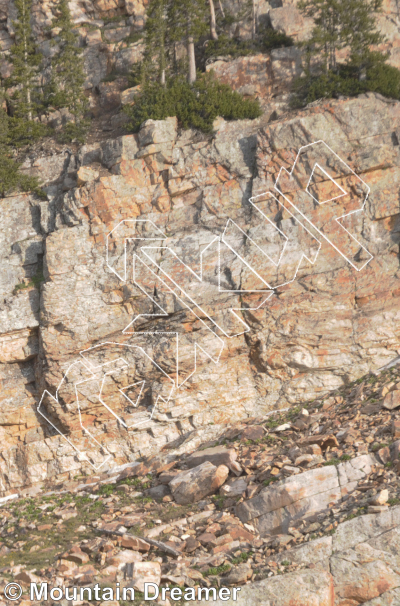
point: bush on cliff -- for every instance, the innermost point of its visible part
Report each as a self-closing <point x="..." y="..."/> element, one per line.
<point x="195" y="105"/>
<point x="266" y="40"/>
<point x="379" y="77"/>
<point x="11" y="178"/>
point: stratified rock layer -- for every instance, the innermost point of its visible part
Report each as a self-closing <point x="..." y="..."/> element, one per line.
<point x="331" y="324"/>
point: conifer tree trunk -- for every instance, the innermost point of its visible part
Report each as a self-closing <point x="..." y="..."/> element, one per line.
<point x="28" y="96"/>
<point x="213" y="22"/>
<point x="192" y="60"/>
<point x="28" y="89"/>
<point x="254" y="20"/>
<point x="221" y="8"/>
<point x="162" y="59"/>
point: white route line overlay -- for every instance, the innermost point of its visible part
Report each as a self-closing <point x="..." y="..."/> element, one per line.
<point x="92" y="369"/>
<point x="283" y="170"/>
<point x="176" y="384"/>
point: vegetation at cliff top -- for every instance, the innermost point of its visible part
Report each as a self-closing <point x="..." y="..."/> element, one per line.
<point x="10" y="176"/>
<point x="26" y="95"/>
<point x="68" y="76"/>
<point x="339" y="25"/>
<point x="233" y="47"/>
<point x="195" y="105"/>
<point x="171" y="82"/>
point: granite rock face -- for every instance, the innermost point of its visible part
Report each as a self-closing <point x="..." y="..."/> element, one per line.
<point x="275" y="508"/>
<point x="68" y="310"/>
<point x="357" y="565"/>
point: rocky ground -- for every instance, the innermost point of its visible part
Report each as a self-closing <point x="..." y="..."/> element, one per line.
<point x="280" y="496"/>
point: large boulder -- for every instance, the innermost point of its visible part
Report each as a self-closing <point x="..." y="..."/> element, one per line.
<point x="303" y="495"/>
<point x="201" y="481"/>
<point x="218" y="455"/>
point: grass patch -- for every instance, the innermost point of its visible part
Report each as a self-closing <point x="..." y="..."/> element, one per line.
<point x="333" y="461"/>
<point x="243" y="557"/>
<point x="217" y="570"/>
<point x="219" y="500"/>
<point x="35" y="282"/>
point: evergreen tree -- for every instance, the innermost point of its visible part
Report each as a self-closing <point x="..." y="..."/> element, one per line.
<point x="10" y="177"/>
<point x="340" y="24"/>
<point x="156" y="37"/>
<point x="68" y="76"/>
<point x="361" y="33"/>
<point x="187" y="21"/>
<point x="350" y="25"/>
<point x="25" y="58"/>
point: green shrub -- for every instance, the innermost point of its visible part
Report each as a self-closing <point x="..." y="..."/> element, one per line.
<point x="112" y="76"/>
<point x="273" y="39"/>
<point x="11" y="179"/>
<point x="74" y="132"/>
<point x="230" y="46"/>
<point x="378" y="77"/>
<point x="267" y="40"/>
<point x="25" y="132"/>
<point x="195" y="106"/>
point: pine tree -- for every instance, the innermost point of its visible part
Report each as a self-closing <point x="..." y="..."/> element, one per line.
<point x="26" y="61"/>
<point x="326" y="37"/>
<point x="187" y="21"/>
<point x="68" y="76"/>
<point x="340" y="24"/>
<point x="156" y="36"/>
<point x="360" y="32"/>
<point x="349" y="25"/>
<point x="11" y="178"/>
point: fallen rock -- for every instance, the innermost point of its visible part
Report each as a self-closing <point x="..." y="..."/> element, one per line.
<point x="126" y="556"/>
<point x="253" y="432"/>
<point x="26" y="578"/>
<point x="86" y="175"/>
<point x="302" y="495"/>
<point x="234" y="488"/>
<point x="134" y="543"/>
<point x="396" y="428"/>
<point x="238" y="575"/>
<point x="392" y="400"/>
<point x="381" y="498"/>
<point x="158" y="492"/>
<point x="218" y="455"/>
<point x="377" y="508"/>
<point x="201" y="481"/>
<point x="145" y="572"/>
<point x="283" y="427"/>
<point x="77" y="556"/>
<point x="322" y="441"/>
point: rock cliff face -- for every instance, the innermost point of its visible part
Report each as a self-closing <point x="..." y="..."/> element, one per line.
<point x="170" y="283"/>
<point x="315" y="308"/>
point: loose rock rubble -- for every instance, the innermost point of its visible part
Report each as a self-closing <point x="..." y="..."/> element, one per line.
<point x="245" y="507"/>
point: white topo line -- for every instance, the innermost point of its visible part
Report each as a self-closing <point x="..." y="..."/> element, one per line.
<point x="137" y="233"/>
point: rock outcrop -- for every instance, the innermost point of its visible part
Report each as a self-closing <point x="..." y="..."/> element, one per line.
<point x="335" y="319"/>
